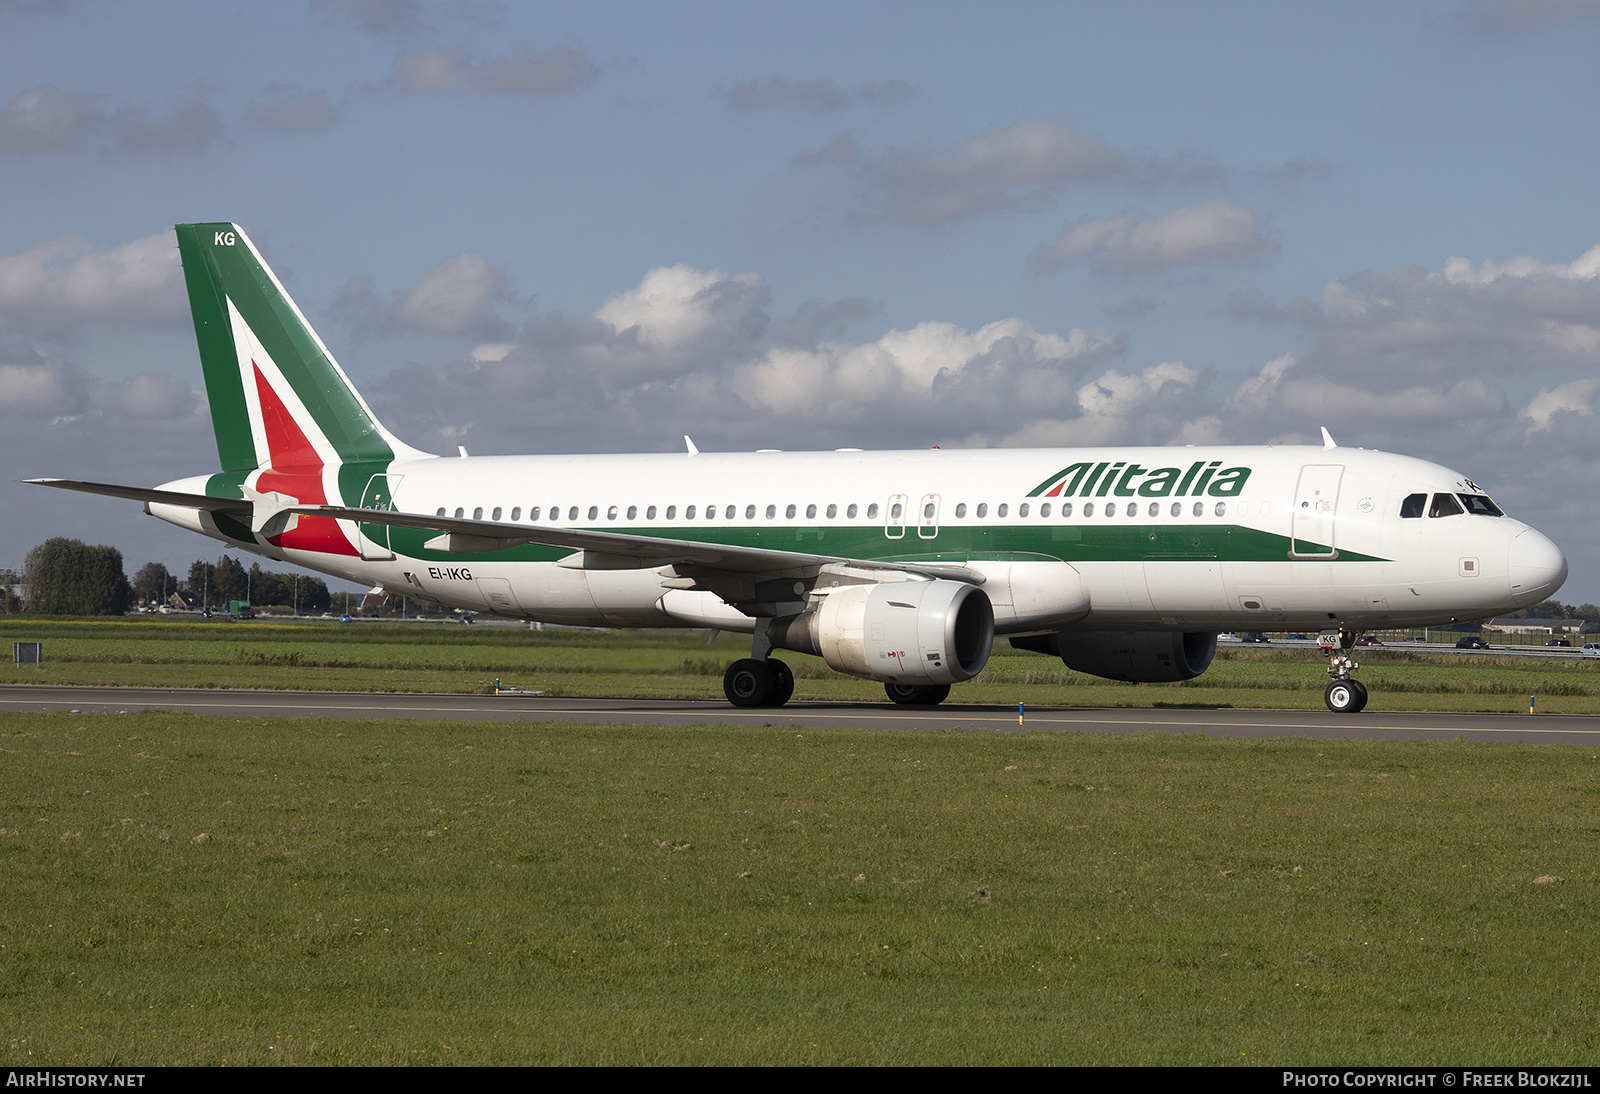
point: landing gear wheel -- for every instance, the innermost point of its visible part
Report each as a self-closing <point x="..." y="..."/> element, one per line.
<point x="1345" y="696"/>
<point x="782" y="682"/>
<point x="918" y="695"/>
<point x="749" y="683"/>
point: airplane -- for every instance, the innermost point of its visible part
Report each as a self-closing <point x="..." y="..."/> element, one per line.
<point x="899" y="567"/>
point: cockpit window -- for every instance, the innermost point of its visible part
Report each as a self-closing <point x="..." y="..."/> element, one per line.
<point x="1444" y="505"/>
<point x="1413" y="505"/>
<point x="1480" y="506"/>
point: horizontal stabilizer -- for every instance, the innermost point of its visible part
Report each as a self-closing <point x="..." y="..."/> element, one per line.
<point x="144" y="494"/>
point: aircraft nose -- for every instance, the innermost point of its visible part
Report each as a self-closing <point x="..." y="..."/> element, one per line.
<point x="1535" y="567"/>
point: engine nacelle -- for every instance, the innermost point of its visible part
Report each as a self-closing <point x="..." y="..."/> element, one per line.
<point x="901" y="632"/>
<point x="1140" y="657"/>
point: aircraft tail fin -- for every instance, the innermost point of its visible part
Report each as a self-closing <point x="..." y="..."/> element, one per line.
<point x="278" y="398"/>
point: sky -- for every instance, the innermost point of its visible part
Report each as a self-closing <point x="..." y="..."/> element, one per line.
<point x="600" y="227"/>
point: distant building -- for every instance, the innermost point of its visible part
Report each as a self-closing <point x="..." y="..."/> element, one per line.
<point x="1535" y="626"/>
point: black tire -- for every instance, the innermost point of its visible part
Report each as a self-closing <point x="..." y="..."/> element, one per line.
<point x="918" y="695"/>
<point x="1345" y="697"/>
<point x="782" y="682"/>
<point x="748" y="683"/>
<point x="1361" y="696"/>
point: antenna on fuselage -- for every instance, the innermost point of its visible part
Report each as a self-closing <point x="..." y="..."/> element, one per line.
<point x="1327" y="439"/>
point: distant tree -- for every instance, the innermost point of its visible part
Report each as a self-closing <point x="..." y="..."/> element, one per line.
<point x="67" y="577"/>
<point x="152" y="583"/>
<point x="9" y="601"/>
<point x="314" y="595"/>
<point x="229" y="581"/>
<point x="202" y="584"/>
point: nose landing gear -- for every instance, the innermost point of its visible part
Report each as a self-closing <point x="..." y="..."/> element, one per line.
<point x="1345" y="694"/>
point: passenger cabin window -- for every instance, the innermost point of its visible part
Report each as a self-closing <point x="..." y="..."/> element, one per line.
<point x="572" y="514"/>
<point x="833" y="510"/>
<point x="872" y="511"/>
<point x="1022" y="510"/>
<point x="496" y="513"/>
<point x="983" y="509"/>
<point x="733" y="510"/>
<point x="477" y="514"/>
<point x="1480" y="506"/>
<point x="1413" y="506"/>
<point x="961" y="510"/>
<point x="594" y="512"/>
<point x="516" y="512"/>
<point x="1066" y="510"/>
<point x="894" y="511"/>
<point x="460" y="512"/>
<point x="1044" y="509"/>
<point x="750" y="512"/>
<point x="440" y="513"/>
<point x="1088" y="508"/>
<point x="533" y="514"/>
<point x="688" y="514"/>
<point x="1002" y="509"/>
<point x="1444" y="505"/>
<point x="850" y="513"/>
<point x="811" y="512"/>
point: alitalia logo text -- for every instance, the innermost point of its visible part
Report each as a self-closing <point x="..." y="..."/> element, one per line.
<point x="1127" y="480"/>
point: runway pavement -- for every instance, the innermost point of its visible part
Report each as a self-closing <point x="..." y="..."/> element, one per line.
<point x="1569" y="728"/>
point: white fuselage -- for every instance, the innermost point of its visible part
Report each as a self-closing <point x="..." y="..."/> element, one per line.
<point x="1308" y="538"/>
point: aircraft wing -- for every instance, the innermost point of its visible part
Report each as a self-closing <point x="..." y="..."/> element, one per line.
<point x="458" y="534"/>
<point x="160" y="497"/>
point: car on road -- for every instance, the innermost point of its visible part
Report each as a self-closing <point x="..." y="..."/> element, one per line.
<point x="1369" y="640"/>
<point x="1562" y="642"/>
<point x="1590" y="649"/>
<point x="1253" y="636"/>
<point x="1471" y="644"/>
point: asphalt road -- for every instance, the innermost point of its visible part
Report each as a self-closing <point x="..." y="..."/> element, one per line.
<point x="1570" y="728"/>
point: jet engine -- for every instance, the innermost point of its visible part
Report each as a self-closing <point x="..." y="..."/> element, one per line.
<point x="901" y="632"/>
<point x="1139" y="657"/>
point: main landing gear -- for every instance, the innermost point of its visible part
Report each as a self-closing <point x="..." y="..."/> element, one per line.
<point x="758" y="683"/>
<point x="1345" y="694"/>
<point x="918" y="695"/>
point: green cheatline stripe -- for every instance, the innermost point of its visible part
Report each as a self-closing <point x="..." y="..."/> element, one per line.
<point x="1067" y="543"/>
<point x="233" y="270"/>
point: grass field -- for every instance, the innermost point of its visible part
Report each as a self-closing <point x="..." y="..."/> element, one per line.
<point x="189" y="890"/>
<point x="318" y="655"/>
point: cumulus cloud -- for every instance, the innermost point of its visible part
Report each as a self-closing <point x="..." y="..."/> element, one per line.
<point x="1005" y="167"/>
<point x="1495" y="317"/>
<point x="842" y="149"/>
<point x="680" y="315"/>
<point x="1217" y="231"/>
<point x="48" y="119"/>
<point x="818" y="96"/>
<point x="692" y="350"/>
<point x="380" y="18"/>
<point x="1574" y="398"/>
<point x="283" y="106"/>
<point x="523" y="71"/>
<point x="65" y="281"/>
<point x="190" y="126"/>
<point x="1516" y="16"/>
<point x="455" y="297"/>
<point x="458" y="296"/>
